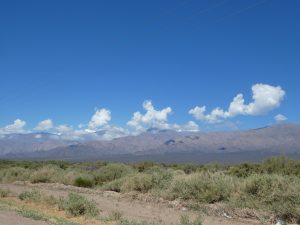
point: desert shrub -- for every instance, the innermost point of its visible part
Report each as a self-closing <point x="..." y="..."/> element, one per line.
<point x="114" y="185"/>
<point x="142" y="166"/>
<point x="31" y="214"/>
<point x="244" y="170"/>
<point x="69" y="176"/>
<point x="111" y="172"/>
<point x="84" y="181"/>
<point x="35" y="196"/>
<point x="4" y="193"/>
<point x="185" y="220"/>
<point x="47" y="174"/>
<point x="275" y="193"/>
<point x="14" y="174"/>
<point x="160" y="176"/>
<point x="202" y="187"/>
<point x="78" y="205"/>
<point x="137" y="182"/>
<point x="187" y="168"/>
<point x="281" y="165"/>
<point x="161" y="179"/>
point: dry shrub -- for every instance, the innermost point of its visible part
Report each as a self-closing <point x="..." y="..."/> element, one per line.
<point x="78" y="205"/>
<point x="202" y="187"/>
<point x="137" y="182"/>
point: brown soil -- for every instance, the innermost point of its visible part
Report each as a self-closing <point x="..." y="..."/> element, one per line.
<point x="148" y="210"/>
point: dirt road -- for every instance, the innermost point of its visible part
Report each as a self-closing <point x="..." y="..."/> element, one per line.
<point x="135" y="210"/>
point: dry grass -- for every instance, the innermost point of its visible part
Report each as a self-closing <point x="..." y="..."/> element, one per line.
<point x="50" y="212"/>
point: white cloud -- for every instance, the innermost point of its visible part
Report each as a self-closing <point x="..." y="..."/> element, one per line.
<point x="69" y="133"/>
<point x="97" y="128"/>
<point x="100" y="118"/>
<point x="16" y="127"/>
<point x="62" y="129"/>
<point x="112" y="132"/>
<point x="152" y="117"/>
<point x="189" y="126"/>
<point x="280" y="118"/>
<point x="44" y="125"/>
<point x="158" y="119"/>
<point x="265" y="99"/>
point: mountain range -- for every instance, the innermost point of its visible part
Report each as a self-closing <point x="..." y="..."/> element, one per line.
<point x="160" y="145"/>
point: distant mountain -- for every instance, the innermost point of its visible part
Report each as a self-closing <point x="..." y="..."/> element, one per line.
<point x="30" y="142"/>
<point x="162" y="145"/>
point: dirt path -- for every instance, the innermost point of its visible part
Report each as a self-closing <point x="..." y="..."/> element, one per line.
<point x="135" y="210"/>
<point x="13" y="218"/>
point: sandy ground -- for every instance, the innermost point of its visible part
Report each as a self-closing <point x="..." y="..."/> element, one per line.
<point x="12" y="218"/>
<point x="109" y="202"/>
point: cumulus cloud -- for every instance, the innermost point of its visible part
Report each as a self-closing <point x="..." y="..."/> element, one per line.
<point x="100" y="118"/>
<point x="156" y="118"/>
<point x="44" y="125"/>
<point x="265" y="99"/>
<point x="152" y="117"/>
<point x="98" y="128"/>
<point x="16" y="127"/>
<point x="280" y="118"/>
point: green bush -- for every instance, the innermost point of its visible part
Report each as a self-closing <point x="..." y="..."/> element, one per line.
<point x="281" y="165"/>
<point x="78" y="205"/>
<point x="47" y="174"/>
<point x="35" y="196"/>
<point x="137" y="182"/>
<point x="202" y="187"/>
<point x="142" y="166"/>
<point x="84" y="181"/>
<point x="161" y="177"/>
<point x="111" y="172"/>
<point x="274" y="193"/>
<point x="244" y="170"/>
<point x="14" y="174"/>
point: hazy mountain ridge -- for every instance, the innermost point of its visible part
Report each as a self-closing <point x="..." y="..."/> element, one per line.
<point x="268" y="140"/>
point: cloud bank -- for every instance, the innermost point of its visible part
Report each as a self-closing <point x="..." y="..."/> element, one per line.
<point x="265" y="98"/>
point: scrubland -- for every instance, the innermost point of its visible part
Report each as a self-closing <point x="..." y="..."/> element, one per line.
<point x="269" y="190"/>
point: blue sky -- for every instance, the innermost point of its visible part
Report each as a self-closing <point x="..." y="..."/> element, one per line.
<point x="64" y="60"/>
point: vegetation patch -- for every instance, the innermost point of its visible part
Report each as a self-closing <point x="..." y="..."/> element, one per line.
<point x="4" y="193"/>
<point x="34" y="196"/>
<point x="84" y="181"/>
<point x="138" y="182"/>
<point x="272" y="186"/>
<point x="185" y="220"/>
<point x="78" y="205"/>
